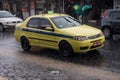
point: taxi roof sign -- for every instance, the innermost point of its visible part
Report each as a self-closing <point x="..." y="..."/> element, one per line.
<point x="50" y="12"/>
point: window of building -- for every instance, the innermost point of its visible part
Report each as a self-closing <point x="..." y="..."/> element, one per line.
<point x="40" y="6"/>
<point x="117" y="1"/>
<point x="88" y="2"/>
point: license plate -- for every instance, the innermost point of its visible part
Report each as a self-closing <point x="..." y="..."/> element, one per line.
<point x="97" y="43"/>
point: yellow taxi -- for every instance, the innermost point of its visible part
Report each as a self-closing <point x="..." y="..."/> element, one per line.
<point x="58" y="31"/>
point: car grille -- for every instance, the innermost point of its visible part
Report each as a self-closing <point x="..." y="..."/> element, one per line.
<point x="94" y="36"/>
<point x="14" y="22"/>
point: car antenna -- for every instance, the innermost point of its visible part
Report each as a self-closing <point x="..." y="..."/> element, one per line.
<point x="42" y="14"/>
<point x="59" y="14"/>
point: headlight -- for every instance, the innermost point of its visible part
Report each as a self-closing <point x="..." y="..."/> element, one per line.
<point x="8" y="22"/>
<point x="80" y="38"/>
<point x="101" y="34"/>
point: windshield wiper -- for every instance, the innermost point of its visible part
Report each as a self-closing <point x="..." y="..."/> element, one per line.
<point x="69" y="21"/>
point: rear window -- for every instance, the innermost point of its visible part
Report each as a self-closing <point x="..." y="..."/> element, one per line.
<point x="33" y="23"/>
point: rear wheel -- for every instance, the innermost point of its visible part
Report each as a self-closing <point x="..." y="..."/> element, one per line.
<point x="25" y="44"/>
<point x="107" y="32"/>
<point x="65" y="49"/>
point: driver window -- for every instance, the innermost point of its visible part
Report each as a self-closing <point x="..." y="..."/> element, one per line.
<point x="44" y="23"/>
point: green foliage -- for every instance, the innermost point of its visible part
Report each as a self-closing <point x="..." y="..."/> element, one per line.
<point x="86" y="9"/>
<point x="81" y="10"/>
<point x="77" y="8"/>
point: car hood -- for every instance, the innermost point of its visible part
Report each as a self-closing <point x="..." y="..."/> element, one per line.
<point x="10" y="19"/>
<point x="82" y="30"/>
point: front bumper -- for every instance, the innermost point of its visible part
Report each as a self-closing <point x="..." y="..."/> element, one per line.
<point x="88" y="45"/>
<point x="10" y="24"/>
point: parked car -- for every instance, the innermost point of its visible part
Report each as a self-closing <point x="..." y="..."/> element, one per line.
<point x="110" y="23"/>
<point x="58" y="31"/>
<point x="8" y="20"/>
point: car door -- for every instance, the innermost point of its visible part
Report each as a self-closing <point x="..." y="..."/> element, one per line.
<point x="115" y="21"/>
<point x="32" y="31"/>
<point x="47" y="38"/>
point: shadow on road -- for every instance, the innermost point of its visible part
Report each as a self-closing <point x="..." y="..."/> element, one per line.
<point x="90" y="59"/>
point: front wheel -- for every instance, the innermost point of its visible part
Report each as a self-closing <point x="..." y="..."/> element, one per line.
<point x="107" y="32"/>
<point x="25" y="44"/>
<point x="1" y="28"/>
<point x="65" y="49"/>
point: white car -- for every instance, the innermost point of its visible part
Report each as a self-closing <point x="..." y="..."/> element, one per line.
<point x="8" y="20"/>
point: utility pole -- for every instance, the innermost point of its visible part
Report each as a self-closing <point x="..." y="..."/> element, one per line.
<point x="63" y="6"/>
<point x="58" y="5"/>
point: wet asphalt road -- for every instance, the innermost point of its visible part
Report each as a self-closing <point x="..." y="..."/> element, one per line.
<point x="48" y="64"/>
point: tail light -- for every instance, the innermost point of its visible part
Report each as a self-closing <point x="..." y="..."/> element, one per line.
<point x="105" y="15"/>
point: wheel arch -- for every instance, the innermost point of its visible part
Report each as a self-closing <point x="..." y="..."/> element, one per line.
<point x="22" y="37"/>
<point x="25" y="43"/>
<point x="106" y="26"/>
<point x="64" y="41"/>
<point x="69" y="52"/>
<point x="110" y="30"/>
<point x="1" y="23"/>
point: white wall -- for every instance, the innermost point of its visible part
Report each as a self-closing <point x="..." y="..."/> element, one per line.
<point x="116" y="4"/>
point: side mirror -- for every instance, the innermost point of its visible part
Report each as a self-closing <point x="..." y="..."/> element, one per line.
<point x="14" y="15"/>
<point x="49" y="28"/>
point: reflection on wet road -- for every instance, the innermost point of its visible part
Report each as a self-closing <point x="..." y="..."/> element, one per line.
<point x="107" y="57"/>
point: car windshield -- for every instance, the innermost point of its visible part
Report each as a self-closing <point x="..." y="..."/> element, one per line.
<point x="65" y="21"/>
<point x="5" y="14"/>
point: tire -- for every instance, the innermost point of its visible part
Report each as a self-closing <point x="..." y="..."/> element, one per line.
<point x="1" y="28"/>
<point x="65" y="49"/>
<point x="107" y="32"/>
<point x="25" y="44"/>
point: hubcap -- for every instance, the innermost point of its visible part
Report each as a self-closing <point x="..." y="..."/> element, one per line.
<point x="106" y="32"/>
<point x="65" y="49"/>
<point x="25" y="44"/>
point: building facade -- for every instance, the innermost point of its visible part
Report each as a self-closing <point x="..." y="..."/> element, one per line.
<point x="116" y="4"/>
<point x="26" y="8"/>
